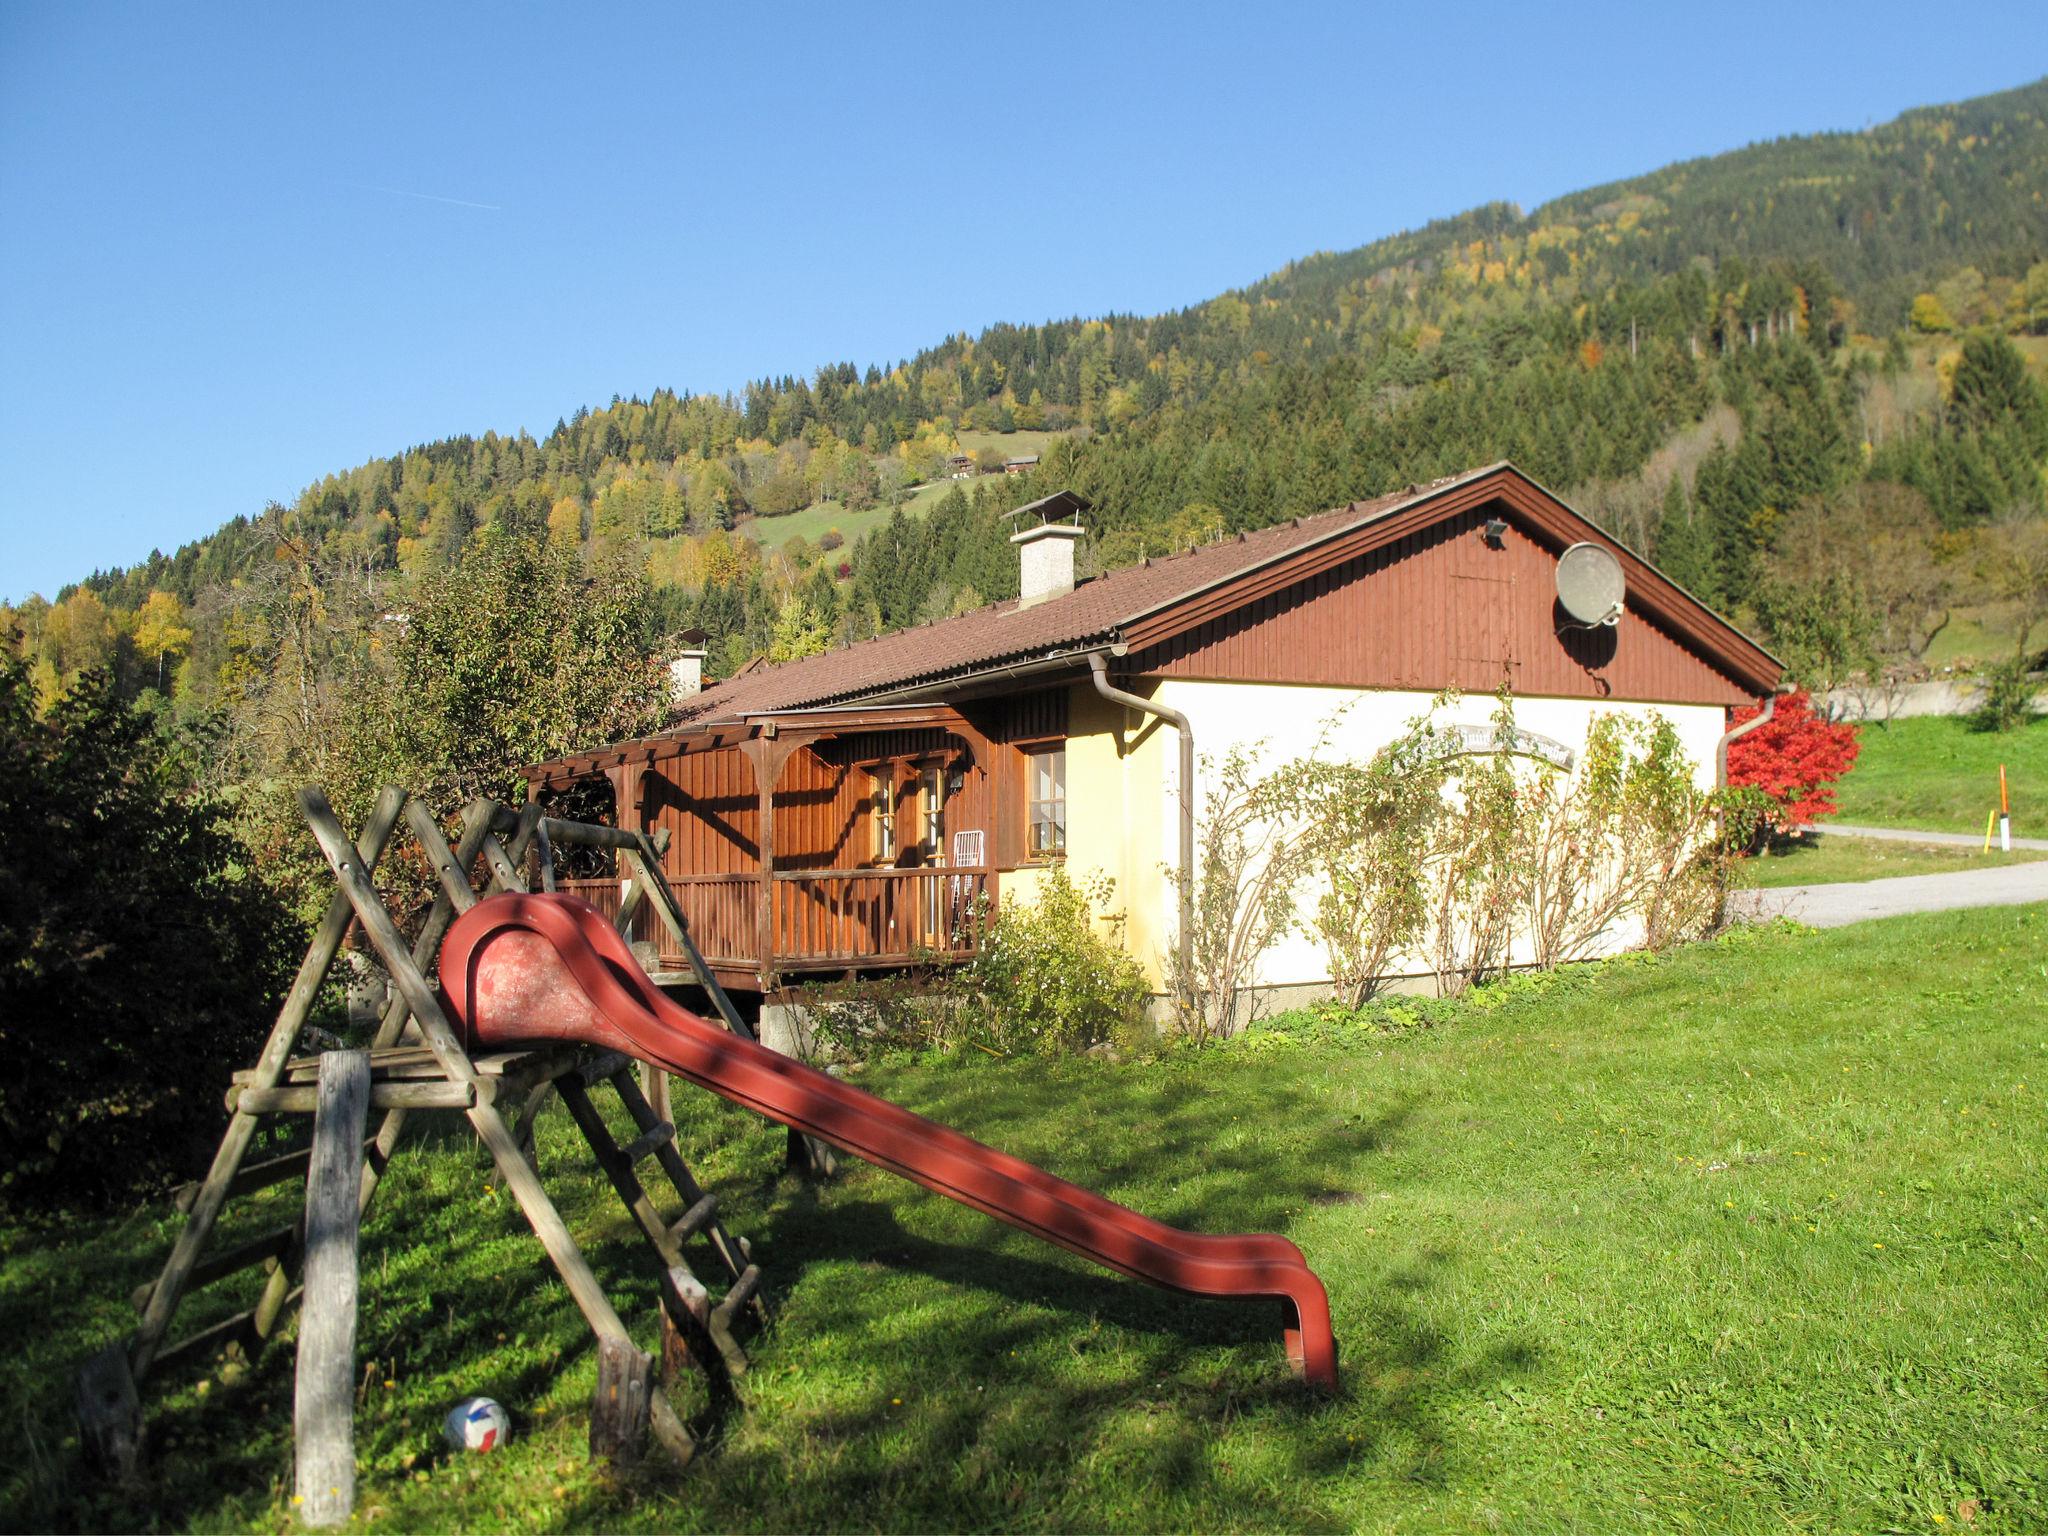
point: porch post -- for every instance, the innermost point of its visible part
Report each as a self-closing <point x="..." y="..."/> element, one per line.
<point x="626" y="784"/>
<point x="767" y="754"/>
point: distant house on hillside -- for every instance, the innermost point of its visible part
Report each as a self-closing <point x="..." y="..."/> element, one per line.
<point x="1018" y="463"/>
<point x="960" y="466"/>
<point x="843" y="813"/>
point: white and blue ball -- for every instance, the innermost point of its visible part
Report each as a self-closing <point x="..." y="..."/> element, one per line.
<point x="477" y="1424"/>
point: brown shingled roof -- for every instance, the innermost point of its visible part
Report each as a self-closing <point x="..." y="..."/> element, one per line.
<point x="1003" y="632"/>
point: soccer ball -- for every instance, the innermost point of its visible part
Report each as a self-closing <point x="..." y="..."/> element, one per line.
<point x="476" y="1424"/>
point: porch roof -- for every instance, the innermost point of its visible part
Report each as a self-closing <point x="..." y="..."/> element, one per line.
<point x="794" y="726"/>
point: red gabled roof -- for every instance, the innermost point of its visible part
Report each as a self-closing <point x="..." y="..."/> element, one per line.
<point x="1003" y="632"/>
<point x="1143" y="603"/>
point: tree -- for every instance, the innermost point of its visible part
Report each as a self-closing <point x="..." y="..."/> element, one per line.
<point x="2012" y="571"/>
<point x="161" y="631"/>
<point x="1793" y="759"/>
<point x="566" y="522"/>
<point x="1929" y="316"/>
<point x="1992" y="392"/>
<point x="520" y="654"/>
<point x="1684" y="549"/>
<point x="79" y="634"/>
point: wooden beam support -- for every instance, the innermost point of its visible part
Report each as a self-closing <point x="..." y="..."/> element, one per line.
<point x="277" y="1050"/>
<point x="625" y="1391"/>
<point x="304" y="1098"/>
<point x="323" y="1394"/>
<point x="490" y="1126"/>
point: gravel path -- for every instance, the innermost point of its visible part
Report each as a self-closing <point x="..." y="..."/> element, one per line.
<point x="1833" y="906"/>
<point x="1947" y="839"/>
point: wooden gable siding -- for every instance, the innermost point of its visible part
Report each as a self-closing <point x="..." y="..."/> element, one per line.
<point x="712" y="812"/>
<point x="1439" y="608"/>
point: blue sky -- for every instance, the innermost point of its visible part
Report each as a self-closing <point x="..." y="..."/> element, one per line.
<point x="244" y="247"/>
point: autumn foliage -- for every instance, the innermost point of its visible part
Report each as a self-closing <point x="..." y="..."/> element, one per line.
<point x="1794" y="758"/>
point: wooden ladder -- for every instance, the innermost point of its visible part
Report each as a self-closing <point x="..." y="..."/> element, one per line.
<point x="417" y="1063"/>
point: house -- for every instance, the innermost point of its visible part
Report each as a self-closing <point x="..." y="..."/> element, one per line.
<point x="960" y="466"/>
<point x="849" y="811"/>
<point x="1016" y="464"/>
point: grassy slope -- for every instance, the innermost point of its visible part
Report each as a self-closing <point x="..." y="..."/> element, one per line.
<point x="1936" y="774"/>
<point x="1830" y="860"/>
<point x="813" y="520"/>
<point x="1748" y="1237"/>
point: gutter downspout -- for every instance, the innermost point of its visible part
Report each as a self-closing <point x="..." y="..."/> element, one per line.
<point x="1098" y="672"/>
<point x="1736" y="733"/>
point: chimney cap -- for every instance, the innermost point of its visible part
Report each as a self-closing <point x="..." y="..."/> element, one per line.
<point x="1047" y="531"/>
<point x="1059" y="507"/>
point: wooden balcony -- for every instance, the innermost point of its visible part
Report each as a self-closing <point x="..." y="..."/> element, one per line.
<point x="814" y="921"/>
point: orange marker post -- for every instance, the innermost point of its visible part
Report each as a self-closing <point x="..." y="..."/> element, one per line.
<point x="2004" y="814"/>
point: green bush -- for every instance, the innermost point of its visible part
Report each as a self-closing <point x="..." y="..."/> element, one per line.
<point x="2008" y="702"/>
<point x="1045" y="979"/>
<point x="141" y="959"/>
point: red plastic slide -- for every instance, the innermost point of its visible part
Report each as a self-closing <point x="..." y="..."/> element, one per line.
<point x="518" y="968"/>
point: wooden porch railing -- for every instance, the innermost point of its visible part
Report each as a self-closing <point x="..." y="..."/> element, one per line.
<point x="836" y="917"/>
<point x="826" y="919"/>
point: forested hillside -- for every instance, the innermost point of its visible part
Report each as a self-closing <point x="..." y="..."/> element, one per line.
<point x="1759" y="367"/>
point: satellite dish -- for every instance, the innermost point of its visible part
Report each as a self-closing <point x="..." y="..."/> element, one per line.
<point x="1589" y="584"/>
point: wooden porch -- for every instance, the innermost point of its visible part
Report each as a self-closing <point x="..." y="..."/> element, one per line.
<point x="821" y="922"/>
<point x="817" y="843"/>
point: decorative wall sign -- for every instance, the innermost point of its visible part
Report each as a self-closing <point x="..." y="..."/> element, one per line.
<point x="1483" y="740"/>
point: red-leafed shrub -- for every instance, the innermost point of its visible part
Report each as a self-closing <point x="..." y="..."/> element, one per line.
<point x="1794" y="758"/>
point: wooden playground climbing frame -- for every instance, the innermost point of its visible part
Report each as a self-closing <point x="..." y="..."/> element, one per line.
<point x="416" y="1062"/>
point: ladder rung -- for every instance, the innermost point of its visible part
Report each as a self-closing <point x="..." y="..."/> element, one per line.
<point x="640" y="1147"/>
<point x="241" y="1327"/>
<point x="741" y="1293"/>
<point x="604" y="1069"/>
<point x="694" y="1220"/>
<point x="251" y="1177"/>
<point x="271" y="1245"/>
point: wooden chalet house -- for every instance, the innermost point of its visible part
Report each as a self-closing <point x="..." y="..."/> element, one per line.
<point x="856" y="810"/>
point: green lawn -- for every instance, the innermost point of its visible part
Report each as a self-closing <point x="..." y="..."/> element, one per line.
<point x="1936" y="774"/>
<point x="1746" y="1239"/>
<point x="1831" y="860"/>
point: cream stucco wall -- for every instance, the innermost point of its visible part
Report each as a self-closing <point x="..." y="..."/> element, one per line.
<point x="1122" y="768"/>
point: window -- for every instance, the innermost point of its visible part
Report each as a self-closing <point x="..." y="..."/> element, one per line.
<point x="882" y="811"/>
<point x="931" y="801"/>
<point x="1046" y="803"/>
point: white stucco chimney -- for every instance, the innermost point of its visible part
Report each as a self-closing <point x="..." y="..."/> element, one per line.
<point x="686" y="674"/>
<point x="1047" y="556"/>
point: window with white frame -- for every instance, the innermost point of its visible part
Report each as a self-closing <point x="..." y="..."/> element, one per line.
<point x="1045" y="805"/>
<point x="931" y="801"/>
<point x="882" y="813"/>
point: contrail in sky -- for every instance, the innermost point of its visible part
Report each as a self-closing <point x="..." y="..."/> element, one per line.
<point x="429" y="197"/>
